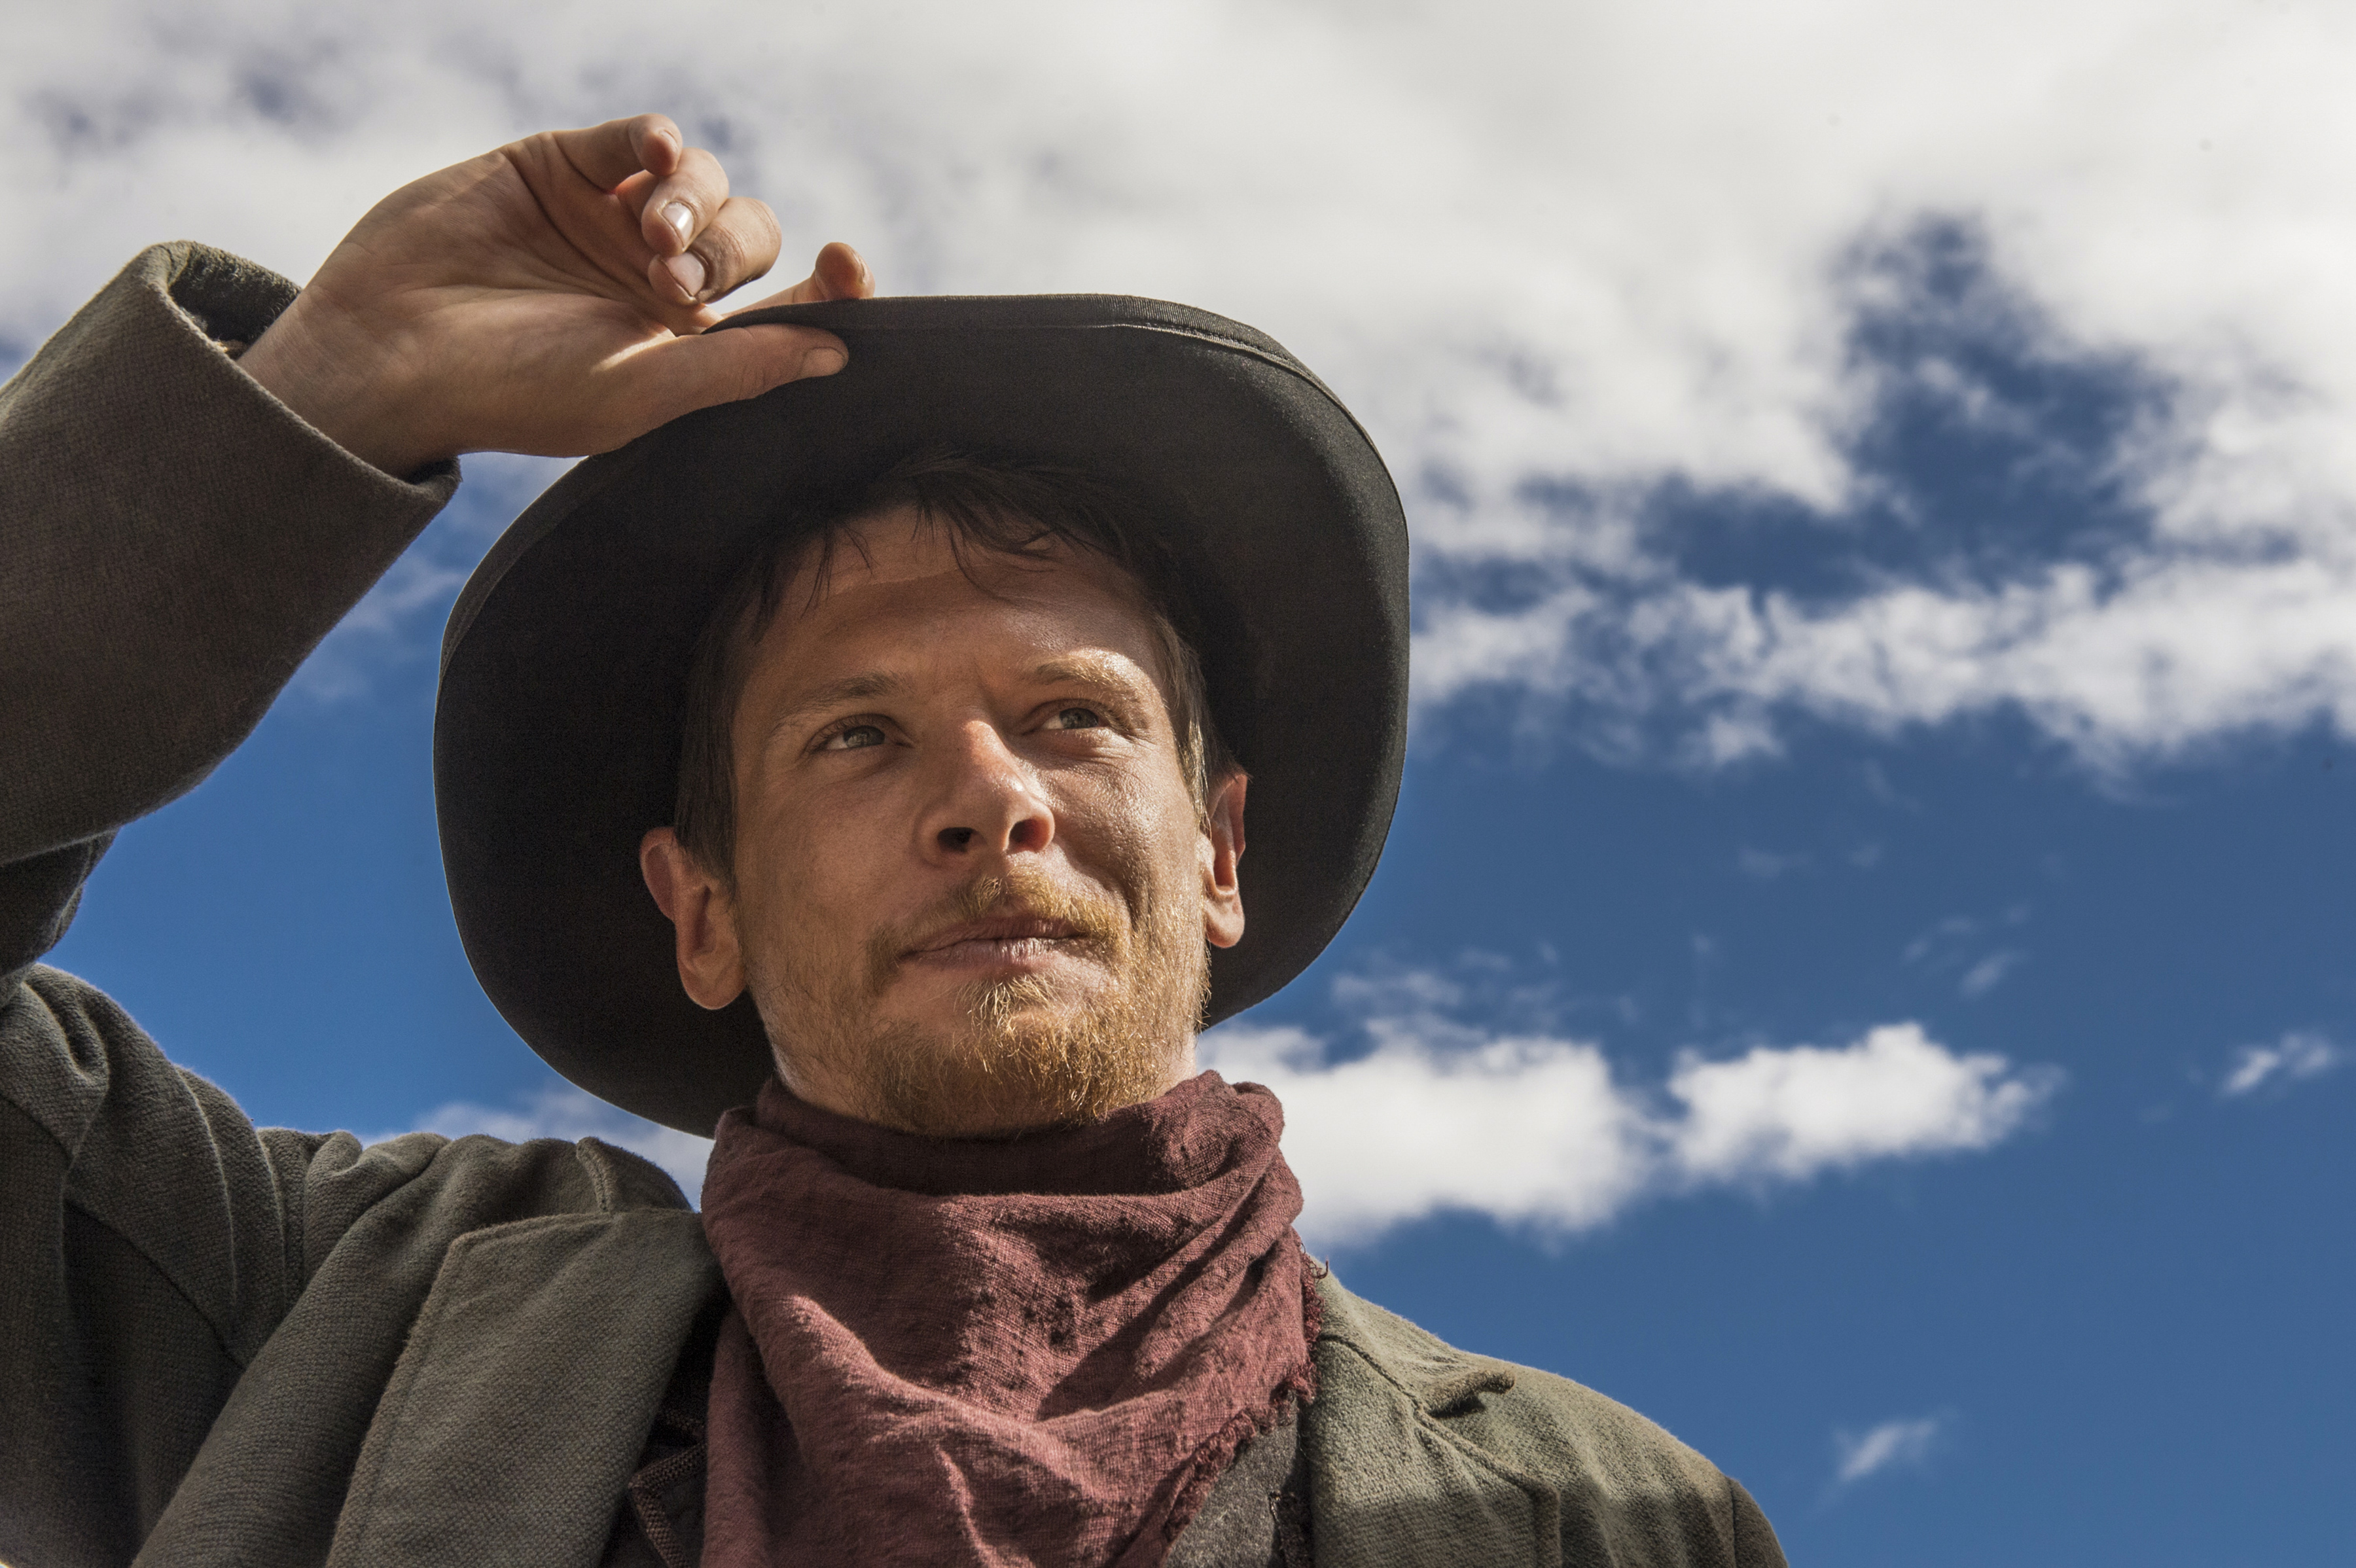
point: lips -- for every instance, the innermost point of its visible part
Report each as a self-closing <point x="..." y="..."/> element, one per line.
<point x="1001" y="932"/>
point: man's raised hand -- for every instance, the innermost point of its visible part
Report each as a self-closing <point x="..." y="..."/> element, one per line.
<point x="547" y="297"/>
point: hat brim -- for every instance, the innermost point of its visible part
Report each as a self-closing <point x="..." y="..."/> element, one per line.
<point x="557" y="726"/>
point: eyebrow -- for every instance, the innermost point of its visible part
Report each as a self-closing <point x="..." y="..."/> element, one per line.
<point x="1099" y="669"/>
<point x="833" y="694"/>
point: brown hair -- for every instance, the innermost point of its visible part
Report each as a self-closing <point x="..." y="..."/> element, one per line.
<point x="1004" y="506"/>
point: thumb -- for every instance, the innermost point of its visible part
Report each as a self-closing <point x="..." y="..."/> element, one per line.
<point x="683" y="374"/>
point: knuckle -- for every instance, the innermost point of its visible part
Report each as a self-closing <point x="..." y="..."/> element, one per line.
<point x="718" y="258"/>
<point x="723" y="251"/>
<point x="752" y="228"/>
<point x="764" y="219"/>
<point x="703" y="170"/>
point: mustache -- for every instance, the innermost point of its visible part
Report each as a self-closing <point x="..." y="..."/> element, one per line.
<point x="1093" y="916"/>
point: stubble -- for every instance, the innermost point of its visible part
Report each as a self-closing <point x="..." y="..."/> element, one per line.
<point x="1020" y="1055"/>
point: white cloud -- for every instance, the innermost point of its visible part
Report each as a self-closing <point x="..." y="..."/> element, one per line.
<point x="564" y="1111"/>
<point x="1790" y="1112"/>
<point x="1538" y="1130"/>
<point x="2300" y="1054"/>
<point x="2156" y="652"/>
<point x="1893" y="1445"/>
<point x="1522" y="1130"/>
<point x="1546" y="253"/>
<point x="1989" y="973"/>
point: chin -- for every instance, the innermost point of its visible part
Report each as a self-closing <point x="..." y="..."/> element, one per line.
<point x="1019" y="1002"/>
<point x="1016" y="1061"/>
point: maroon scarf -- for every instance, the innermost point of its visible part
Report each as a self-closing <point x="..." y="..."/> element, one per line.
<point x="1034" y="1352"/>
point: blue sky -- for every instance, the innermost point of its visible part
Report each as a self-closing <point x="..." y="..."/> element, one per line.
<point x="1862" y="972"/>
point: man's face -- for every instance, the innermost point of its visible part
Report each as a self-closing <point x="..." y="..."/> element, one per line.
<point x="972" y="887"/>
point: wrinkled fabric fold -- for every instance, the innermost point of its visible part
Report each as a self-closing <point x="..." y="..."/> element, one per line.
<point x="1040" y="1351"/>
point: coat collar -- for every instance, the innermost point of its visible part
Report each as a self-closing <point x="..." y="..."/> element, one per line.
<point x="1391" y="1478"/>
<point x="516" y="1414"/>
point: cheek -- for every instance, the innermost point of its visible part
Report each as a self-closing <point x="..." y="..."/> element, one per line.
<point x="821" y="856"/>
<point x="1145" y="835"/>
<point x="797" y="884"/>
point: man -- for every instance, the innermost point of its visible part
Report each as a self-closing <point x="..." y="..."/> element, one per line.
<point x="924" y="698"/>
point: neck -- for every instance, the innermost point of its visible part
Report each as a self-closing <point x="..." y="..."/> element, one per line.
<point x="1165" y="1144"/>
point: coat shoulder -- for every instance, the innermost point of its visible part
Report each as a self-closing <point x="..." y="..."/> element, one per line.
<point x="548" y="1175"/>
<point x="1627" y="1490"/>
<point x="1521" y="1411"/>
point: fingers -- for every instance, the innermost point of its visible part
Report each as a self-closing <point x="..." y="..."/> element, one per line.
<point x="609" y="154"/>
<point x="733" y="248"/>
<point x="682" y="201"/>
<point x="706" y="242"/>
<point x="700" y="241"/>
<point x="839" y="273"/>
<point x="684" y="374"/>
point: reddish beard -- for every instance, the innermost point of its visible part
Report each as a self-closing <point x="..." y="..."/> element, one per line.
<point x="1021" y="1056"/>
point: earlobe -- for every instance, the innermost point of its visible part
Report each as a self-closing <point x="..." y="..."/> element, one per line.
<point x="702" y="918"/>
<point x="1223" y="843"/>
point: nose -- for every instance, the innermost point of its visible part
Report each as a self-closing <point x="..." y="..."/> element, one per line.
<point x="985" y="802"/>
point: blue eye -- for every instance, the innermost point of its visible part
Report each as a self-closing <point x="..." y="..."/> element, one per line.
<point x="857" y="738"/>
<point x="1079" y="718"/>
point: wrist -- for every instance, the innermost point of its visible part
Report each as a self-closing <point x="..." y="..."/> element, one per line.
<point x="342" y="383"/>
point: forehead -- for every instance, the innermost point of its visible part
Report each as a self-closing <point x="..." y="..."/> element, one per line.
<point x="900" y="583"/>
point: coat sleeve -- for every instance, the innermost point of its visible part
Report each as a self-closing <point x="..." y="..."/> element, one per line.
<point x="177" y="541"/>
<point x="1755" y="1545"/>
<point x="174" y="541"/>
<point x="155" y="1249"/>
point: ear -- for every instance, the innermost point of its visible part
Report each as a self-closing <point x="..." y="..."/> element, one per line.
<point x="702" y="914"/>
<point x="1223" y="849"/>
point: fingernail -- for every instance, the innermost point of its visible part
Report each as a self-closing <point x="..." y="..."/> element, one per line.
<point x="678" y="216"/>
<point x="686" y="271"/>
<point x="824" y="361"/>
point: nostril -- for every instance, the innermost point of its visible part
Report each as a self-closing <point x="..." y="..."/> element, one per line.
<point x="956" y="841"/>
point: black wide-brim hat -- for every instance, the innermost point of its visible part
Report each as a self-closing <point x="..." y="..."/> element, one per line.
<point x="556" y="733"/>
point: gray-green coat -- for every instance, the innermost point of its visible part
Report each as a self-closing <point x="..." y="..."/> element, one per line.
<point x="220" y="1345"/>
